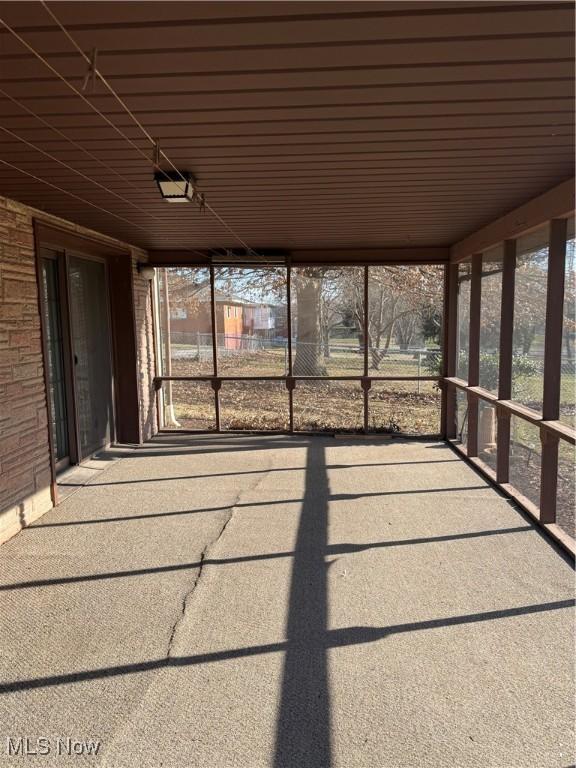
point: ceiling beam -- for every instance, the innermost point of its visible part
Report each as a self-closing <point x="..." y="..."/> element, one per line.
<point x="556" y="203"/>
<point x="413" y="255"/>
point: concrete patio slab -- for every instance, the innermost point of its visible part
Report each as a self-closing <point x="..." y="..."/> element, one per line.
<point x="291" y="602"/>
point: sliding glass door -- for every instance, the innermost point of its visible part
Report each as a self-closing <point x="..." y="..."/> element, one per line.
<point x="90" y="343"/>
<point x="54" y="346"/>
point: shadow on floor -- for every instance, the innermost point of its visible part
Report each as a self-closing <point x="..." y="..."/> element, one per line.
<point x="303" y="729"/>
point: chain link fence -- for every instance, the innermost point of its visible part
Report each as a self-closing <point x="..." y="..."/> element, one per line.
<point x="341" y="357"/>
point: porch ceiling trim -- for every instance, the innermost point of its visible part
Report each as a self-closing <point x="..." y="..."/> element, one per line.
<point x="352" y="256"/>
<point x="556" y="203"/>
<point x="63" y="238"/>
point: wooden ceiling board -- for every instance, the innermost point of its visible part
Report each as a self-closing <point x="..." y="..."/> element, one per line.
<point x="308" y="125"/>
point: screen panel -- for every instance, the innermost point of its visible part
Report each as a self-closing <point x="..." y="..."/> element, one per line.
<point x="568" y="360"/>
<point x="525" y="458"/>
<point x="487" y="433"/>
<point x="405" y="311"/>
<point x="185" y="321"/>
<point x="406" y="407"/>
<point x="327" y="321"/>
<point x="251" y="321"/>
<point x="565" y="494"/>
<point x="328" y="406"/>
<point x="530" y="289"/>
<point x="461" y="417"/>
<point x="490" y="310"/>
<point x="90" y="339"/>
<point x="189" y="405"/>
<point x="254" y="405"/>
<point x="463" y="335"/>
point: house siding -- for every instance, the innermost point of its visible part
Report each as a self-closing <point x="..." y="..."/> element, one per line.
<point x="25" y="475"/>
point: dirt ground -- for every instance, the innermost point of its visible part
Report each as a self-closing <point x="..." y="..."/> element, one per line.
<point x="331" y="406"/>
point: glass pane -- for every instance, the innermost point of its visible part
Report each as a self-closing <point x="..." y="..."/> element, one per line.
<point x="568" y="380"/>
<point x="251" y="321"/>
<point x="461" y="417"/>
<point x="530" y="318"/>
<point x="91" y="350"/>
<point x="55" y="361"/>
<point x="404" y="406"/>
<point x="257" y="405"/>
<point x="328" y="406"/>
<point x="487" y="432"/>
<point x="463" y="337"/>
<point x="327" y="321"/>
<point x="491" y="297"/>
<point x="185" y="321"/>
<point x="565" y="501"/>
<point x="405" y="305"/>
<point x="525" y="455"/>
<point x="188" y="405"/>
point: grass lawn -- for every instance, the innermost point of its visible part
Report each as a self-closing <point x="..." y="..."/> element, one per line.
<point x="318" y="405"/>
<point x="274" y="362"/>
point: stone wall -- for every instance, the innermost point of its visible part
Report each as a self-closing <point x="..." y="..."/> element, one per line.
<point x="25" y="476"/>
<point x="24" y="454"/>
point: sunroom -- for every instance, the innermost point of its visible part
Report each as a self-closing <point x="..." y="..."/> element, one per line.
<point x="287" y="384"/>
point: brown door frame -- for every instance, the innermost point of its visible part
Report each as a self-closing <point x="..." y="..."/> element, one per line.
<point x="123" y="340"/>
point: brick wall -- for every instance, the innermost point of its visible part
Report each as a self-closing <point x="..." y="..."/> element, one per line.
<point x="24" y="454"/>
<point x="24" y="451"/>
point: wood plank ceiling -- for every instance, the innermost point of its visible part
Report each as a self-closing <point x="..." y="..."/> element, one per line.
<point x="308" y="125"/>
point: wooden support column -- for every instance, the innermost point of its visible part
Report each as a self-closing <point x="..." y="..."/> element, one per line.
<point x="474" y="353"/>
<point x="505" y="362"/>
<point x="365" y="332"/>
<point x="552" y="368"/>
<point x="290" y="381"/>
<point x="216" y="383"/>
<point x="449" y="425"/>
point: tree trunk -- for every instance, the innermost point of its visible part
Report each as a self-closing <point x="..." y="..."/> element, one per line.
<point x="528" y="340"/>
<point x="568" y="346"/>
<point x="388" y="338"/>
<point x="375" y="354"/>
<point x="308" y="332"/>
<point x="324" y="329"/>
<point x="326" y="340"/>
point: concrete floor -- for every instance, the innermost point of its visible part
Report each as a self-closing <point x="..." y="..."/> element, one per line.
<point x="298" y="602"/>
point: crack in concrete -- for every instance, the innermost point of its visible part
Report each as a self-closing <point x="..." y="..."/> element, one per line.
<point x="111" y="746"/>
<point x="194" y="584"/>
<point x="203" y="555"/>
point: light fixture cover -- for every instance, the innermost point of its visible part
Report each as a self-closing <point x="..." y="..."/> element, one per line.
<point x="175" y="186"/>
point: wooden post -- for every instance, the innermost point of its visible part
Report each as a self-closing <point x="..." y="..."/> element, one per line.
<point x="505" y="362"/>
<point x="552" y="367"/>
<point x="366" y="381"/>
<point x="474" y="353"/>
<point x="449" y="421"/>
<point x="290" y="382"/>
<point x="216" y="383"/>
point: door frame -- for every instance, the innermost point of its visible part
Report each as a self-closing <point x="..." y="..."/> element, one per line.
<point x="59" y="256"/>
<point x="120" y="267"/>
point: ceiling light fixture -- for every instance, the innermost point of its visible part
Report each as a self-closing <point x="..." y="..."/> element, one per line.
<point x="175" y="186"/>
